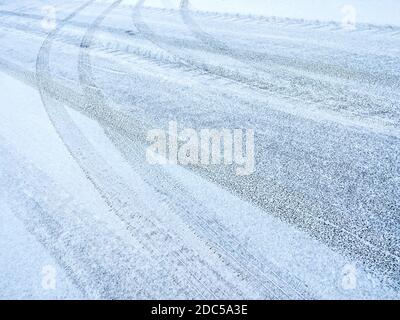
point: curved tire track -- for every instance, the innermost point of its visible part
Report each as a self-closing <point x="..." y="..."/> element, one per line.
<point x="98" y="262"/>
<point x="336" y="233"/>
<point x="102" y="177"/>
<point x="124" y="123"/>
<point x="96" y="98"/>
<point x="289" y="85"/>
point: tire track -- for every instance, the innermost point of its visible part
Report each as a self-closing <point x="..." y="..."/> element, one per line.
<point x="172" y="41"/>
<point x="95" y="101"/>
<point x="360" y="100"/>
<point x="57" y="114"/>
<point x="264" y="275"/>
<point x="92" y="164"/>
<point x="98" y="262"/>
<point x="336" y="233"/>
<point x="353" y="101"/>
<point x="283" y="83"/>
<point x="95" y="97"/>
<point x="288" y="22"/>
<point x="124" y="124"/>
<point x="153" y="237"/>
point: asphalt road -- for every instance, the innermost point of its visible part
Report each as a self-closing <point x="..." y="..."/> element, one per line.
<point x="323" y="101"/>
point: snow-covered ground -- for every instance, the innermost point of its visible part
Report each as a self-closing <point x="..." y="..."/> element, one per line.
<point x="84" y="215"/>
<point x="367" y="11"/>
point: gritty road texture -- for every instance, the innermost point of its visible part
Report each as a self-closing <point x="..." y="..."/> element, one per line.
<point x="325" y="106"/>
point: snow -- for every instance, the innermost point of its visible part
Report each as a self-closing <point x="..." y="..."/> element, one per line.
<point x="23" y="263"/>
<point x="318" y="219"/>
<point x="267" y="237"/>
<point x="23" y="260"/>
<point x="368" y="11"/>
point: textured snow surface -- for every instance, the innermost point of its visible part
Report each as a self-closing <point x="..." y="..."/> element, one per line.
<point x="82" y="213"/>
<point x="367" y="11"/>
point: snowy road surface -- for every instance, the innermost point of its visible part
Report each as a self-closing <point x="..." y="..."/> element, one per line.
<point x="85" y="215"/>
